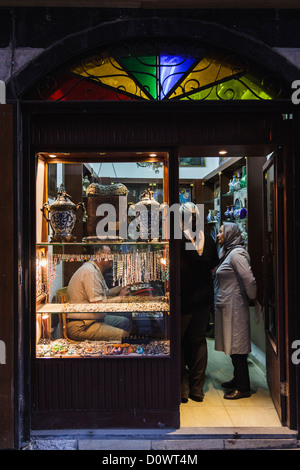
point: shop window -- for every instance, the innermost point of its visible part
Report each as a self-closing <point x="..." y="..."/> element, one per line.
<point x="102" y="280"/>
<point x="158" y="70"/>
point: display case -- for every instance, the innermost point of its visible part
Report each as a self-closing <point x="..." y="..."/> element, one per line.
<point x="100" y="294"/>
<point x="138" y="321"/>
<point x="225" y="197"/>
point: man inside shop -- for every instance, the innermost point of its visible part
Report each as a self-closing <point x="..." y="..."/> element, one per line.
<point x="88" y="286"/>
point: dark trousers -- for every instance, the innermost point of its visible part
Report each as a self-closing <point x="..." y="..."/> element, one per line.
<point x="194" y="351"/>
<point x="241" y="372"/>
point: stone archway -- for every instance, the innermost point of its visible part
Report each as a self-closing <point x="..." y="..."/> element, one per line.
<point x="206" y="32"/>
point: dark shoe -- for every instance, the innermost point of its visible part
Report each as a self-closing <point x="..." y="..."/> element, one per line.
<point x="229" y="384"/>
<point x="236" y="394"/>
<point x="196" y="397"/>
<point x="184" y="400"/>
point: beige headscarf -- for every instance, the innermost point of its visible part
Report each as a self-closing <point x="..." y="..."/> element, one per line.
<point x="232" y="239"/>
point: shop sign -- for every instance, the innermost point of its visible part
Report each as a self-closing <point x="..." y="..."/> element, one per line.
<point x="2" y="353"/>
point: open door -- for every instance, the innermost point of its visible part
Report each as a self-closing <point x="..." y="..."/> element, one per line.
<point x="273" y="281"/>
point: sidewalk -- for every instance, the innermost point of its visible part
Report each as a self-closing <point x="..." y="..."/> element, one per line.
<point x="165" y="440"/>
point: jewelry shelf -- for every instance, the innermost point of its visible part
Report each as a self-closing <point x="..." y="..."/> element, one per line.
<point x="103" y="242"/>
<point x="143" y="266"/>
<point x="105" y="307"/>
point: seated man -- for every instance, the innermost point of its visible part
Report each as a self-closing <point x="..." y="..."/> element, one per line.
<point x="87" y="285"/>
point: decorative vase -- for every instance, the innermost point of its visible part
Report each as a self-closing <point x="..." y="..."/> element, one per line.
<point x="227" y="213"/>
<point x="234" y="180"/>
<point x="237" y="185"/>
<point x="236" y="213"/>
<point x="231" y="184"/>
<point x="62" y="215"/>
<point x="244" y="178"/>
<point x="243" y="213"/>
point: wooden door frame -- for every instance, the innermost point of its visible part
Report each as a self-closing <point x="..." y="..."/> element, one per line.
<point x="275" y="345"/>
<point x="284" y="284"/>
<point x="31" y="109"/>
<point x="8" y="281"/>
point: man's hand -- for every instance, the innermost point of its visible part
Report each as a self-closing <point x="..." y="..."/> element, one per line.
<point x="124" y="291"/>
<point x="119" y="290"/>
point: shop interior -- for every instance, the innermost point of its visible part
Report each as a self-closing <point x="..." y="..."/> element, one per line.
<point x="78" y="183"/>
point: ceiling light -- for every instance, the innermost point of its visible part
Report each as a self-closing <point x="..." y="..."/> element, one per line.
<point x="152" y="155"/>
<point x="223" y="152"/>
<point x="52" y="156"/>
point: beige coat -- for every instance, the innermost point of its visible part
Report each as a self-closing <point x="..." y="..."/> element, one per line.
<point x="234" y="286"/>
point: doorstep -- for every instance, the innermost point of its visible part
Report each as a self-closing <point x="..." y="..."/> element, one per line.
<point x="165" y="439"/>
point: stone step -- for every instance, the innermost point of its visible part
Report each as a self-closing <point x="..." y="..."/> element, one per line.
<point x="163" y="439"/>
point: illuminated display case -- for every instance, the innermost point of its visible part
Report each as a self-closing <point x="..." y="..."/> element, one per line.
<point x="226" y="197"/>
<point x="104" y="294"/>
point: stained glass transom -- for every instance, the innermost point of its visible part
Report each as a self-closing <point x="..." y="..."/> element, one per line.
<point x="157" y="71"/>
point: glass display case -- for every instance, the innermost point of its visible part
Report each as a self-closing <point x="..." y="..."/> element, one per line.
<point x="225" y="197"/>
<point x="102" y="288"/>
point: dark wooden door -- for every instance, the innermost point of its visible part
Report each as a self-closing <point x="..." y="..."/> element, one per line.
<point x="7" y="280"/>
<point x="273" y="281"/>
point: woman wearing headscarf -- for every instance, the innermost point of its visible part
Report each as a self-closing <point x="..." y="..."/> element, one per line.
<point x="234" y="286"/>
<point x="198" y="257"/>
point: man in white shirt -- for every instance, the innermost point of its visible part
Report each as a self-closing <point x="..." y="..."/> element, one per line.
<point x="87" y="285"/>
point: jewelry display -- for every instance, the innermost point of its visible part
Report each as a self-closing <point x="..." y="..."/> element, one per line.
<point x="143" y="267"/>
<point x="133" y="282"/>
<point x="42" y="285"/>
<point x="64" y="348"/>
<point x="128" y="268"/>
<point x="133" y="306"/>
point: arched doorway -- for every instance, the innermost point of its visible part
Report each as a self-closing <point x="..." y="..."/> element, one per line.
<point x="123" y="76"/>
<point x="171" y="29"/>
<point x="158" y="70"/>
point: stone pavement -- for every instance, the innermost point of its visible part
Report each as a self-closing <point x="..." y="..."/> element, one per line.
<point x="183" y="439"/>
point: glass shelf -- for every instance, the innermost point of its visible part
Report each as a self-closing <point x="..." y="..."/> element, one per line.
<point x="105" y="307"/>
<point x="236" y="220"/>
<point x="103" y="242"/>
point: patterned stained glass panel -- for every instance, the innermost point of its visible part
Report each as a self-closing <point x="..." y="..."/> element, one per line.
<point x="144" y="69"/>
<point x="207" y="72"/>
<point x="172" y="69"/>
<point x="154" y="70"/>
<point x="107" y="71"/>
<point x="72" y="88"/>
<point x="234" y="89"/>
